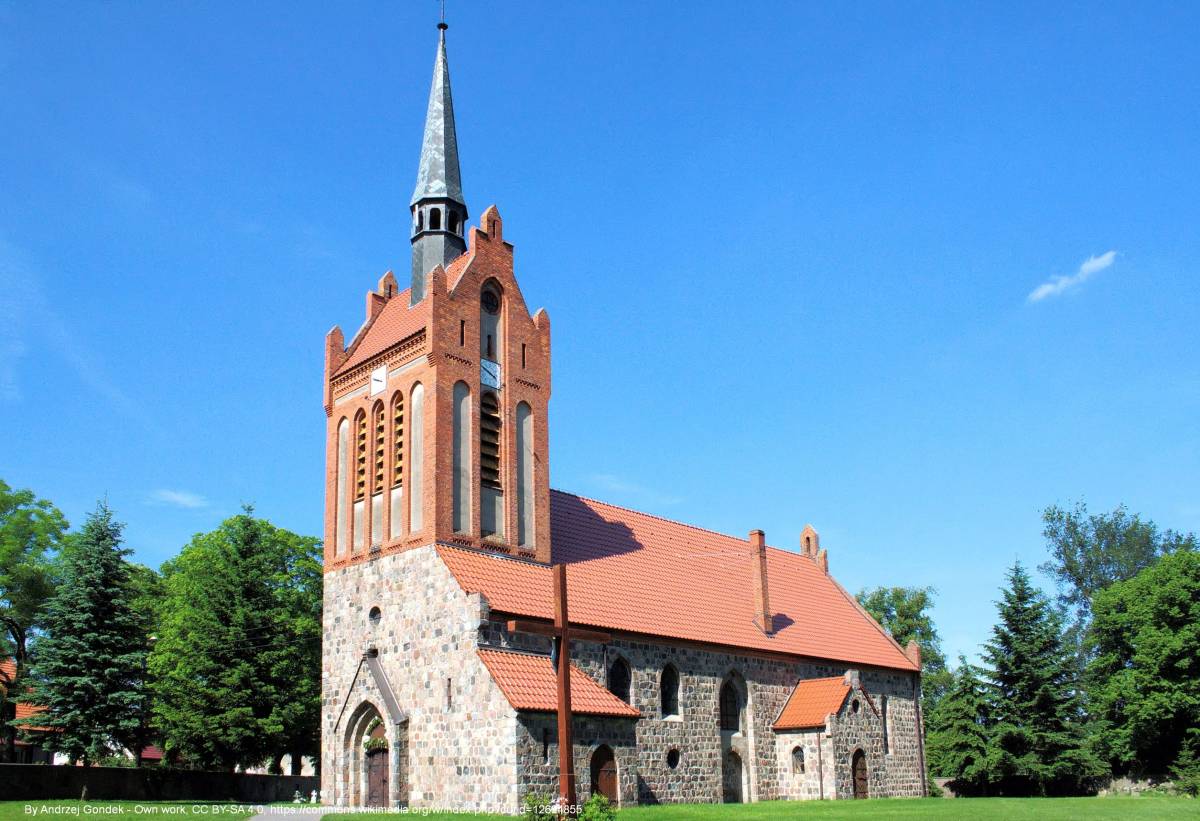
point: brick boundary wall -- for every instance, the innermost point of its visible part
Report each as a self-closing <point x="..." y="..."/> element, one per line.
<point x="44" y="781"/>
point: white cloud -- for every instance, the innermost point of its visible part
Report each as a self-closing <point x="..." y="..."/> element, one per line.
<point x="1057" y="285"/>
<point x="178" y="498"/>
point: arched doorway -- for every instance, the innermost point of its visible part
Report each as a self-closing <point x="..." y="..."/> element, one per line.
<point x="731" y="778"/>
<point x="604" y="773"/>
<point x="375" y="748"/>
<point x="858" y="773"/>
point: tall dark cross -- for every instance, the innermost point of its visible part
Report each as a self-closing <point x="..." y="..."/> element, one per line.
<point x="562" y="632"/>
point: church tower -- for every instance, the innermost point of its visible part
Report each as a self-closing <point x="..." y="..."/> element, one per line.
<point x="437" y="408"/>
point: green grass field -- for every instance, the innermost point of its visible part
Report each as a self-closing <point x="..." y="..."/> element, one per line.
<point x="969" y="809"/>
<point x="124" y="810"/>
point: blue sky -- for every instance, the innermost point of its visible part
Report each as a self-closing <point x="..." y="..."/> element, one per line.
<point x="789" y="253"/>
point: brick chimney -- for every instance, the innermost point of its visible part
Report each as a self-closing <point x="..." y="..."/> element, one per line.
<point x="913" y="651"/>
<point x="758" y="562"/>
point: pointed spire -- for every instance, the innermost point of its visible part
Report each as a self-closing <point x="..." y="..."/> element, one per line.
<point x="439" y="212"/>
<point x="438" y="174"/>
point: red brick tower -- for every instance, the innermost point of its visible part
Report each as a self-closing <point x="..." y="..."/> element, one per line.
<point x="437" y="409"/>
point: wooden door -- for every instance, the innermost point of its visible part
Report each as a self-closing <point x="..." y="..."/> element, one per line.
<point x="858" y="768"/>
<point x="604" y="774"/>
<point x="377" y="778"/>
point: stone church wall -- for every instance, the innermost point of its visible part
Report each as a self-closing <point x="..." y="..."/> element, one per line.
<point x="816" y="781"/>
<point x="768" y="683"/>
<point x="461" y="750"/>
<point x="537" y="753"/>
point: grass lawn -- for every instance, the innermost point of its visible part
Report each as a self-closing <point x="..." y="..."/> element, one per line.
<point x="56" y="809"/>
<point x="969" y="809"/>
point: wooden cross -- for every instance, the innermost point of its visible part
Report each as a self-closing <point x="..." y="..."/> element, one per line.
<point x="562" y="632"/>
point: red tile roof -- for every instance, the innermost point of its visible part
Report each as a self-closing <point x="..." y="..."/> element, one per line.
<point x="397" y="321"/>
<point x="637" y="573"/>
<point x="529" y="683"/>
<point x="810" y="703"/>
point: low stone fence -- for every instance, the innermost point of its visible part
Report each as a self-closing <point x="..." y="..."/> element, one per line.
<point x="34" y="781"/>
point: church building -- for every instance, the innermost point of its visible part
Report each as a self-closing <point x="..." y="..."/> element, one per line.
<point x="735" y="671"/>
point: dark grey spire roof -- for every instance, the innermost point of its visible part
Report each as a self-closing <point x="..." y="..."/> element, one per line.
<point x="438" y="174"/>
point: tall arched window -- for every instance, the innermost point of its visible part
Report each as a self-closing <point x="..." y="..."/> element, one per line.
<point x="798" y="760"/>
<point x="620" y="679"/>
<point x="379" y="475"/>
<point x="731" y="707"/>
<point x="341" y="491"/>
<point x="360" y="479"/>
<point x="435" y="219"/>
<point x="416" y="459"/>
<point x="396" y="503"/>
<point x="452" y="221"/>
<point x="462" y="457"/>
<point x="668" y="687"/>
<point x="524" y="474"/>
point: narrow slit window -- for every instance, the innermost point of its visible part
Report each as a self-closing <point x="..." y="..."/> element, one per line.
<point x="462" y="332"/>
<point x="522" y="354"/>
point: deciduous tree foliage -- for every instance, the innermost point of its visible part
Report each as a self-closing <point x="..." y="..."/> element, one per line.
<point x="237" y="662"/>
<point x="957" y="733"/>
<point x="1144" y="679"/>
<point x="31" y="530"/>
<point x="1037" y="741"/>
<point x="1088" y="552"/>
<point x="89" y="665"/>
<point x="904" y="613"/>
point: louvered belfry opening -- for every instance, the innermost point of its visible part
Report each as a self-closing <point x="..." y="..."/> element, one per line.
<point x="489" y="440"/>
<point x="491" y="521"/>
<point x="360" y="457"/>
<point x="398" y="440"/>
<point x="380" y="422"/>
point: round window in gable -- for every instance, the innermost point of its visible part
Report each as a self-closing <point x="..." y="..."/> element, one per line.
<point x="673" y="759"/>
<point x="374" y="616"/>
<point x="854" y="706"/>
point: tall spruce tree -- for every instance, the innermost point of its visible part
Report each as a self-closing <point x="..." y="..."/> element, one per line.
<point x="1038" y="745"/>
<point x="957" y="733"/>
<point x="237" y="661"/>
<point x="89" y="665"/>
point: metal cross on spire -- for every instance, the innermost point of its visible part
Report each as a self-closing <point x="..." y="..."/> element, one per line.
<point x="442" y="22"/>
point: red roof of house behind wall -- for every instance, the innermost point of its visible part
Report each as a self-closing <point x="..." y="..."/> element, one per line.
<point x="637" y="573"/>
<point x="529" y="683"/>
<point x="811" y="702"/>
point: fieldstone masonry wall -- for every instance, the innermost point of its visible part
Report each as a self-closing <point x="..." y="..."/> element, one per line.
<point x="461" y="743"/>
<point x="695" y="730"/>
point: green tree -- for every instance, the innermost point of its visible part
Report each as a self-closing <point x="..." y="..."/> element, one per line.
<point x="1088" y="552"/>
<point x="1144" y="678"/>
<point x="1037" y="741"/>
<point x="957" y="733"/>
<point x="31" y="531"/>
<point x="89" y="664"/>
<point x="237" y="662"/>
<point x="904" y="613"/>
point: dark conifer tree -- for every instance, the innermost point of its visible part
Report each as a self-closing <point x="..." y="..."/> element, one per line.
<point x="957" y="733"/>
<point x="89" y="666"/>
<point x="1038" y="745"/>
